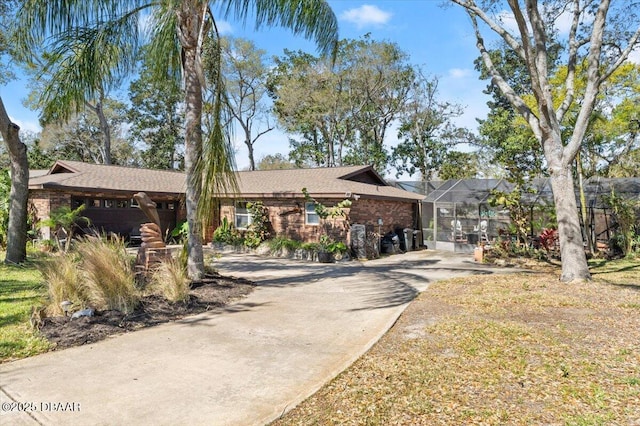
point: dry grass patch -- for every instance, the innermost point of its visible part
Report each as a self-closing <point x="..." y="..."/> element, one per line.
<point x="108" y="274"/>
<point x="64" y="282"/>
<point x="170" y="280"/>
<point x="497" y="350"/>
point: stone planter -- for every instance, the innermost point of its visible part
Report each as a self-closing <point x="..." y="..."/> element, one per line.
<point x="325" y="257"/>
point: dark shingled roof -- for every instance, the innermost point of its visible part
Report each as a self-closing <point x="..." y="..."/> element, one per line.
<point x="333" y="182"/>
<point x="99" y="177"/>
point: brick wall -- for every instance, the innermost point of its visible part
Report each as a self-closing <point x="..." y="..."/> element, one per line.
<point x="394" y="214"/>
<point x="45" y="201"/>
<point x="288" y="219"/>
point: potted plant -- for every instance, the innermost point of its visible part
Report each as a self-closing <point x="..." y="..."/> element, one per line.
<point x="337" y="249"/>
<point x="324" y="255"/>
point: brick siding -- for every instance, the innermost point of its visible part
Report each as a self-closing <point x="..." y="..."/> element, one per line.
<point x="287" y="218"/>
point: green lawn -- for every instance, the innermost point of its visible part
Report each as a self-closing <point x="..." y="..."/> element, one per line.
<point x="21" y="288"/>
<point x="622" y="271"/>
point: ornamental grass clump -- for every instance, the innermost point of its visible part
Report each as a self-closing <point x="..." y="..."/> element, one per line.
<point x="108" y="274"/>
<point x="170" y="280"/>
<point x="64" y="283"/>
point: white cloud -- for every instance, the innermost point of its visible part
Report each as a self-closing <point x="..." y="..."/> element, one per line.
<point x="31" y="126"/>
<point x="563" y="23"/>
<point x="146" y="23"/>
<point x="224" y="27"/>
<point x="508" y="21"/>
<point x="634" y="56"/>
<point x="460" y="73"/>
<point x="366" y="15"/>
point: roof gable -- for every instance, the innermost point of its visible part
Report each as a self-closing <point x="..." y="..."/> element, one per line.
<point x="365" y="175"/>
<point x="62" y="167"/>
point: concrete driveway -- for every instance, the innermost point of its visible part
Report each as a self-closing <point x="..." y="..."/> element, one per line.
<point x="242" y="365"/>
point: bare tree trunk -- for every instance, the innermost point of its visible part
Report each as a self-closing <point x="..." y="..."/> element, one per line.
<point x="106" y="133"/>
<point x="252" y="161"/>
<point x="574" y="263"/>
<point x="104" y="127"/>
<point x="188" y="32"/>
<point x="583" y="205"/>
<point x="19" y="194"/>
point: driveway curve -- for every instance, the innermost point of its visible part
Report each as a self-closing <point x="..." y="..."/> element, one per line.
<point x="242" y="365"/>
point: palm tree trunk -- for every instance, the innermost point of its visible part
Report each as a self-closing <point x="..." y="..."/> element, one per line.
<point x="19" y="194"/>
<point x="189" y="27"/>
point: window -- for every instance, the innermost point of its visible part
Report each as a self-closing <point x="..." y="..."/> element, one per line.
<point x="310" y="215"/>
<point x="95" y="203"/>
<point x="108" y="204"/>
<point x="243" y="217"/>
<point x="171" y="206"/>
<point x="122" y="204"/>
<point x="77" y="202"/>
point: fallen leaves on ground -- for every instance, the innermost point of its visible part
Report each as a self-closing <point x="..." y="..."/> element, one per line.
<point x="496" y="350"/>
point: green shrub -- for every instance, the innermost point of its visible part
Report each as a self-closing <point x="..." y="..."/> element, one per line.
<point x="310" y="246"/>
<point x="283" y="243"/>
<point x="337" y="247"/>
<point x="258" y="229"/>
<point x="170" y="280"/>
<point x="226" y="234"/>
<point x="66" y="219"/>
<point x="329" y="245"/>
<point x="108" y="274"/>
<point x="251" y="239"/>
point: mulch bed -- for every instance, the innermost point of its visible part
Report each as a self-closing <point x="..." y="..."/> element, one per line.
<point x="213" y="292"/>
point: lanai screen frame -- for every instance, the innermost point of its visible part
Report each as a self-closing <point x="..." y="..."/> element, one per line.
<point x="463" y="202"/>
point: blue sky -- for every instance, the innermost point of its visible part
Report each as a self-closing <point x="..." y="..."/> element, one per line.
<point x="438" y="39"/>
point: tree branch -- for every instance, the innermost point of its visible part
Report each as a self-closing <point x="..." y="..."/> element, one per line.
<point x="593" y="83"/>
<point x="633" y="43"/>
<point x="471" y="8"/>
<point x="571" y="63"/>
<point x="498" y="80"/>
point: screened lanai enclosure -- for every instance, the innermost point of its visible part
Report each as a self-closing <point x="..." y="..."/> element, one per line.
<point x="457" y="214"/>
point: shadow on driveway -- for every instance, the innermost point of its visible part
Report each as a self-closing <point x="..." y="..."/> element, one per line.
<point x="387" y="282"/>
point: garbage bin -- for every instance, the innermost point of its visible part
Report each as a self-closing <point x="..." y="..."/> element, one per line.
<point x="417" y="239"/>
<point x="472" y="238"/>
<point x="408" y="239"/>
<point x="402" y="239"/>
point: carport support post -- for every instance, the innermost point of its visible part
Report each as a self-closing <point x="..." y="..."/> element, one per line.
<point x="435" y="226"/>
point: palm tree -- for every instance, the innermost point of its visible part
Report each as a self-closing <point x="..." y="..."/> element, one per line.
<point x="110" y="33"/>
<point x="65" y="220"/>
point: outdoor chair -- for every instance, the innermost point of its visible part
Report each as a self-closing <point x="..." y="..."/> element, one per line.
<point x="456" y="231"/>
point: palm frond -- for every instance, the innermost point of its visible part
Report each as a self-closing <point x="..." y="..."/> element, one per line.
<point x="86" y="62"/>
<point x="165" y="46"/>
<point x="216" y="167"/>
<point x="313" y="19"/>
<point x="38" y="19"/>
<point x="83" y="62"/>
